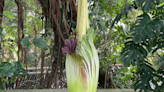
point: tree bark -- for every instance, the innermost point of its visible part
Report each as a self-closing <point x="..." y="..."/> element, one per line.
<point x="55" y="63"/>
<point x="2" y="2"/>
<point x="20" y="27"/>
<point x="42" y="58"/>
<point x="42" y="64"/>
<point x="20" y="23"/>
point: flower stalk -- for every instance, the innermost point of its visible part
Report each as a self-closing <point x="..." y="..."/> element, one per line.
<point x="82" y="18"/>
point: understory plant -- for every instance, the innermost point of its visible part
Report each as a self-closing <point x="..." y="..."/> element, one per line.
<point x="82" y="62"/>
<point x="10" y="70"/>
<point x="144" y="46"/>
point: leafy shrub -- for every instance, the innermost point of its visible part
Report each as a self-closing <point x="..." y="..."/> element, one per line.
<point x="7" y="69"/>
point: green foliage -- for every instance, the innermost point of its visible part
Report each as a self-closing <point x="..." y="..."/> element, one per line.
<point x="147" y="5"/>
<point x="133" y="54"/>
<point x="100" y="20"/>
<point x="149" y="77"/>
<point x="159" y="63"/>
<point x="146" y="36"/>
<point x="124" y="77"/>
<point x="39" y="42"/>
<point x="25" y="42"/>
<point x="19" y="69"/>
<point x="6" y="69"/>
<point x="145" y="29"/>
<point x="1" y="29"/>
<point x="1" y="84"/>
<point x="146" y="39"/>
<point x="125" y="11"/>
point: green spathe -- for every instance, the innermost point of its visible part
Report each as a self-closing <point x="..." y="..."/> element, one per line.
<point x="82" y="68"/>
<point x="74" y="74"/>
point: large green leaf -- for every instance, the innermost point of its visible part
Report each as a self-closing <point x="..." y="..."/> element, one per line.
<point x="19" y="69"/>
<point x="17" y="65"/>
<point x="1" y="84"/>
<point x="148" y="77"/>
<point x="159" y="63"/>
<point x="25" y="42"/>
<point x="147" y="5"/>
<point x="158" y="44"/>
<point x="145" y="29"/>
<point x="133" y="54"/>
<point x="6" y="69"/>
<point x="39" y="42"/>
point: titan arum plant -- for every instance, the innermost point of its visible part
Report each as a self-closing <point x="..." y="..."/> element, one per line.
<point x="82" y="62"/>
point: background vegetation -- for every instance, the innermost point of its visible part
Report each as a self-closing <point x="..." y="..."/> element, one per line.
<point x="129" y="32"/>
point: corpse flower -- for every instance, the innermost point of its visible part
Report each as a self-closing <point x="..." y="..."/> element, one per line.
<point x="82" y="62"/>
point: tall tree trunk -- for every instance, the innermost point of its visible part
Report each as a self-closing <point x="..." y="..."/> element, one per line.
<point x="60" y="62"/>
<point x="20" y="24"/>
<point x="42" y="58"/>
<point x="2" y="2"/>
<point x="42" y="65"/>
<point x="24" y="50"/>
<point x="20" y="27"/>
<point x="35" y="53"/>
<point x="50" y="77"/>
<point x="55" y="64"/>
